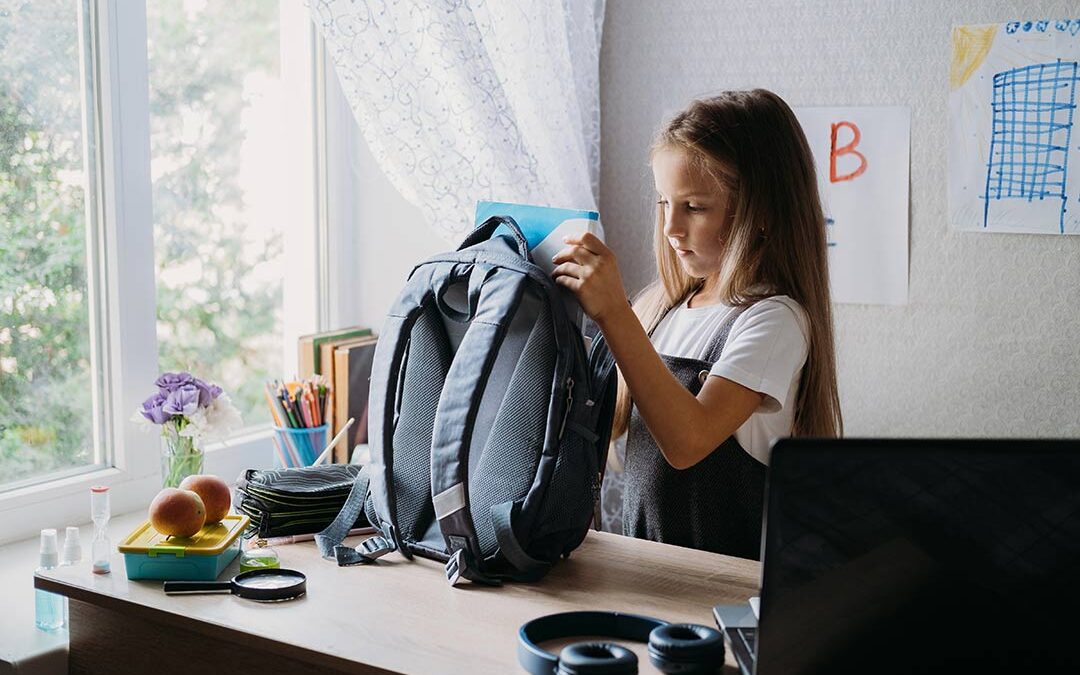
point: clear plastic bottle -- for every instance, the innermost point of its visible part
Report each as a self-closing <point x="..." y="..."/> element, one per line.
<point x="70" y="554"/>
<point x="48" y="607"/>
<point x="101" y="548"/>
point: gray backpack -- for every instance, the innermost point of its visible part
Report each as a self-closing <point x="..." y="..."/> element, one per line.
<point x="488" y="423"/>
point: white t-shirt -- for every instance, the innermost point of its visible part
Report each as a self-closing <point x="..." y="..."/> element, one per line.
<point x="765" y="352"/>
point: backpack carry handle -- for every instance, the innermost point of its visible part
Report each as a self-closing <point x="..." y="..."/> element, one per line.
<point x="477" y="276"/>
<point x="484" y="232"/>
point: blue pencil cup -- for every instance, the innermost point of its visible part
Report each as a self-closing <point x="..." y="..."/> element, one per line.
<point x="298" y="447"/>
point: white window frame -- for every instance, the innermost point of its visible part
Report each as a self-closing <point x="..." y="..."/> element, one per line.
<point x="338" y="179"/>
<point x="123" y="291"/>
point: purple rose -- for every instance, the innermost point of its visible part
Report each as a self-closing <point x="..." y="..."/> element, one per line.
<point x="207" y="392"/>
<point x="182" y="401"/>
<point x="170" y="382"/>
<point x="153" y="409"/>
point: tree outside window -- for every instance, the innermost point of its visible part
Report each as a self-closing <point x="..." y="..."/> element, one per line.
<point x="217" y="190"/>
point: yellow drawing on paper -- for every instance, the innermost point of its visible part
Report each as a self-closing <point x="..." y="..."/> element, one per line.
<point x="1014" y="163"/>
<point x="970" y="46"/>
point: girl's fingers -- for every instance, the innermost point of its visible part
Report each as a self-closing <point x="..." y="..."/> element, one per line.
<point x="575" y="253"/>
<point x="589" y="242"/>
<point x="567" y="269"/>
<point x="569" y="282"/>
<point x="563" y="255"/>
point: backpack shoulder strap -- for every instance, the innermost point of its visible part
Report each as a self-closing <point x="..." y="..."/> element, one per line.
<point x="527" y="567"/>
<point x="499" y="296"/>
<point x="716" y="347"/>
<point x="335" y="532"/>
<point x="573" y="375"/>
<point x="383" y="398"/>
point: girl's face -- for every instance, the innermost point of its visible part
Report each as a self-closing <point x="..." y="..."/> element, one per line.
<point x="695" y="209"/>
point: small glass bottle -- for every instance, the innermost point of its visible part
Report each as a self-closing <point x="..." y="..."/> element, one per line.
<point x="101" y="548"/>
<point x="259" y="556"/>
<point x="48" y="607"/>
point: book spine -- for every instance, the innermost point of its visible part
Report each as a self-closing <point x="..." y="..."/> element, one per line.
<point x="305" y="362"/>
<point x="341" y="402"/>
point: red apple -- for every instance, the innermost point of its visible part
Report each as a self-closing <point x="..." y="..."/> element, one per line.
<point x="215" y="493"/>
<point x="177" y="513"/>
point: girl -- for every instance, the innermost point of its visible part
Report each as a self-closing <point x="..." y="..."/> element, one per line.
<point x="732" y="346"/>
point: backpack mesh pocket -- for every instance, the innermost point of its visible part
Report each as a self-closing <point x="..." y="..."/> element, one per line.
<point x="568" y="504"/>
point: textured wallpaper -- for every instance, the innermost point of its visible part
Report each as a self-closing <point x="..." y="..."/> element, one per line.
<point x="989" y="342"/>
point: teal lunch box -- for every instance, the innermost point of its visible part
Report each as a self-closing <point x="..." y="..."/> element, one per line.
<point x="148" y="554"/>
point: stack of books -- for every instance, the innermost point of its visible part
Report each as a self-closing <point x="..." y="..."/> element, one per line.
<point x="343" y="358"/>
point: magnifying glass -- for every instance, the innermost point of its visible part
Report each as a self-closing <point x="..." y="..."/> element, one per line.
<point x="262" y="585"/>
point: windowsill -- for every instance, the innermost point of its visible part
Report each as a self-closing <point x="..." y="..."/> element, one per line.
<point x="24" y="512"/>
<point x="23" y="647"/>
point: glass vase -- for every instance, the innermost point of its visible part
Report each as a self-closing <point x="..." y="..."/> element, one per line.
<point x="180" y="457"/>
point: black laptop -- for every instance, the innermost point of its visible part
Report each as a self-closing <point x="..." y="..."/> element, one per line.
<point x="916" y="556"/>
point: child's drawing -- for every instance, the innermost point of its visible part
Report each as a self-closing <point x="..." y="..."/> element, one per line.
<point x="1011" y="142"/>
<point x="861" y="159"/>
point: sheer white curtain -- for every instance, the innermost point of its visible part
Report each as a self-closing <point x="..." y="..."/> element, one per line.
<point x="464" y="100"/>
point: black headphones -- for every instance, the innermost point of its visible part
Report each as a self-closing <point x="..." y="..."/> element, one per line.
<point x="685" y="648"/>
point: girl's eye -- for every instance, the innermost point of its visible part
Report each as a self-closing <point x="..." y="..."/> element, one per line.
<point x="661" y="202"/>
<point x="694" y="209"/>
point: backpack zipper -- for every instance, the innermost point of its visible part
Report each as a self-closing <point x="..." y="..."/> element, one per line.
<point x="598" y="513"/>
<point x="569" y="404"/>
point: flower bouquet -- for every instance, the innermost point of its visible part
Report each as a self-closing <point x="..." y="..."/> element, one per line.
<point x="191" y="412"/>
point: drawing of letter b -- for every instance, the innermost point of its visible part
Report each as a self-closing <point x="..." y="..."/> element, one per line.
<point x="848" y="149"/>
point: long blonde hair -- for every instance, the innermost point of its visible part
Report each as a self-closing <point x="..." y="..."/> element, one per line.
<point x="751" y="143"/>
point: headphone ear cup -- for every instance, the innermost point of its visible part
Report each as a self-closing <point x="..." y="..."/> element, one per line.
<point x="686" y="649"/>
<point x="597" y="658"/>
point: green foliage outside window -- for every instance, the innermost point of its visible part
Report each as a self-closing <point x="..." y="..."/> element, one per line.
<point x="219" y="312"/>
<point x="219" y="317"/>
<point x="45" y="395"/>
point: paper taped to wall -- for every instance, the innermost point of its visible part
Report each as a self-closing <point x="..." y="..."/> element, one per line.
<point x="1012" y="99"/>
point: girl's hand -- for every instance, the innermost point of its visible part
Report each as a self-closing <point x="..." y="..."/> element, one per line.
<point x="588" y="268"/>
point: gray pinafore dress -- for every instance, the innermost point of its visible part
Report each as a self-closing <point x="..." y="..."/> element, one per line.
<point x="715" y="505"/>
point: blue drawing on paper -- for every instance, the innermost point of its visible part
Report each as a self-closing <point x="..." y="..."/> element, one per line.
<point x="829" y="222"/>
<point x="1030" y="134"/>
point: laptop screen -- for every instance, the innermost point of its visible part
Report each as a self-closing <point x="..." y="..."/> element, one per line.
<point x="910" y="556"/>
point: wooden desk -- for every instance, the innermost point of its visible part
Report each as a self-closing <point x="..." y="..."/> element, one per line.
<point x="396" y="616"/>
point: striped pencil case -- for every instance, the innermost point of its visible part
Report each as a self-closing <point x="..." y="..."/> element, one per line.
<point x="304" y="500"/>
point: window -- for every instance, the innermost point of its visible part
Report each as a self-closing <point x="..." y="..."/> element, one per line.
<point x="46" y="387"/>
<point x="220" y="192"/>
<point x="158" y="210"/>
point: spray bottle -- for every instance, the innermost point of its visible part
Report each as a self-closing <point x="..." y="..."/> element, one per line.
<point x="49" y="607"/>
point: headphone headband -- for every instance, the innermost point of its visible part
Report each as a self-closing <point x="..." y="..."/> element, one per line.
<point x="570" y="624"/>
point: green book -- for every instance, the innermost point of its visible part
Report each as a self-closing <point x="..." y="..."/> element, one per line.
<point x="310" y="356"/>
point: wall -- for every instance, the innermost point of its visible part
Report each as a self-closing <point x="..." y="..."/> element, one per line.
<point x="989" y="344"/>
<point x="391" y="238"/>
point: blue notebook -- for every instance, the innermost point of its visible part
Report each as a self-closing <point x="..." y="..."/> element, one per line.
<point x="544" y="227"/>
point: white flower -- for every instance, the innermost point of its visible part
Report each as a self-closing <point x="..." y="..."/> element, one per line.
<point x="215" y="421"/>
<point x="195" y="424"/>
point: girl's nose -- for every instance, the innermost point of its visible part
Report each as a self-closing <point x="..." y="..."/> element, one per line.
<point x="673" y="224"/>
